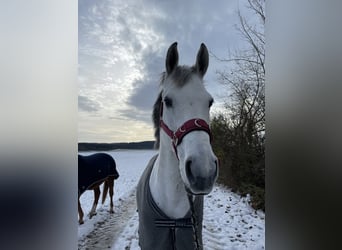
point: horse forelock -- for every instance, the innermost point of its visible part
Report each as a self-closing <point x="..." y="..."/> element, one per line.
<point x="180" y="75"/>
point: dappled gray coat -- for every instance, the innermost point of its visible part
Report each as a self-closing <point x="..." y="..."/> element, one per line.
<point x="156" y="230"/>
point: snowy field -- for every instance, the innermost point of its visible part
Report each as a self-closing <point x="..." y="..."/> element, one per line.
<point x="228" y="223"/>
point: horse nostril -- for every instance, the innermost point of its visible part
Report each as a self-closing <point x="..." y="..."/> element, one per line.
<point x="188" y="170"/>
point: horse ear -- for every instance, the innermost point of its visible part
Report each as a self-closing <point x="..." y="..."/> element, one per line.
<point x="171" y="58"/>
<point x="202" y="60"/>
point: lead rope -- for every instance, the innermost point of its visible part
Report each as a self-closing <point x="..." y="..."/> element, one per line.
<point x="194" y="224"/>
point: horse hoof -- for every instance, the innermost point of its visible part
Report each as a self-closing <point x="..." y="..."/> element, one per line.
<point x="81" y="222"/>
<point x="111" y="211"/>
<point x="91" y="215"/>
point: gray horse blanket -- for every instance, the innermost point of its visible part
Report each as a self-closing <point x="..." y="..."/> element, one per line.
<point x="94" y="168"/>
<point x="158" y="231"/>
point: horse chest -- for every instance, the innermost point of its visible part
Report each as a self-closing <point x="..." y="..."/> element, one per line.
<point x="156" y="230"/>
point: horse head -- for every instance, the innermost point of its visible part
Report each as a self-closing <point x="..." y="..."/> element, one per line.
<point x="181" y="117"/>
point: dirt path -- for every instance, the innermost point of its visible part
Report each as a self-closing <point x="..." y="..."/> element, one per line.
<point x="108" y="229"/>
<point x="229" y="223"/>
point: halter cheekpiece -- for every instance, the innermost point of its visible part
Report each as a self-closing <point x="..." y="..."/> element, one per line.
<point x="187" y="127"/>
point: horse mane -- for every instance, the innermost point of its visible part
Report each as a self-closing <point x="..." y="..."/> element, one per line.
<point x="179" y="76"/>
<point x="156" y="119"/>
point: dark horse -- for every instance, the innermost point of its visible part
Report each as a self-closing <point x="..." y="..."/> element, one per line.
<point x="93" y="170"/>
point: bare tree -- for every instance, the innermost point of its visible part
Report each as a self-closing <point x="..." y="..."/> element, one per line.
<point x="239" y="137"/>
<point x="246" y="79"/>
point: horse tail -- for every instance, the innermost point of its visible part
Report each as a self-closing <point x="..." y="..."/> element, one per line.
<point x="105" y="191"/>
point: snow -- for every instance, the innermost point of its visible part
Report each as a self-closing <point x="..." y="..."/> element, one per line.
<point x="229" y="221"/>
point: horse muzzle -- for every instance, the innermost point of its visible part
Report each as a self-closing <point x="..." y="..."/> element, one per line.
<point x="200" y="182"/>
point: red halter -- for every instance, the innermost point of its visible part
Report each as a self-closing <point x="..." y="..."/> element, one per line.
<point x="186" y="128"/>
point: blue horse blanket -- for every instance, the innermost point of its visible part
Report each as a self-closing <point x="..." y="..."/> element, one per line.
<point x="94" y="168"/>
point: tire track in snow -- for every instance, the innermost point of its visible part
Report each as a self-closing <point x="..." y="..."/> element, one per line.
<point x="109" y="228"/>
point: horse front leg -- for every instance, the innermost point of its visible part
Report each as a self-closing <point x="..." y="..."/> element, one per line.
<point x="80" y="212"/>
<point x="97" y="193"/>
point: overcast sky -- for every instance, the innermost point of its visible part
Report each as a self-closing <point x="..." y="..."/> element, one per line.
<point x="122" y="48"/>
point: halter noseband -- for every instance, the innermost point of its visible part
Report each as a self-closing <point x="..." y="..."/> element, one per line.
<point x="187" y="127"/>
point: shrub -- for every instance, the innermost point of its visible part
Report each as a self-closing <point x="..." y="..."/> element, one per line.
<point x="242" y="162"/>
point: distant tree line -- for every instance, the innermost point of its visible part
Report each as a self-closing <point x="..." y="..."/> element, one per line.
<point x="239" y="132"/>
<point x="86" y="146"/>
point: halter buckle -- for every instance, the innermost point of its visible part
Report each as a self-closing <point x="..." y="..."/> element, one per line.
<point x="175" y="139"/>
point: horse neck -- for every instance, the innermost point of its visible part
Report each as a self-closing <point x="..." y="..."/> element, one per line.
<point x="167" y="187"/>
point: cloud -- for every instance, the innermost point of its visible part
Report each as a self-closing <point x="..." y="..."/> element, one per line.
<point x="144" y="96"/>
<point x="136" y="115"/>
<point x="85" y="104"/>
<point x="145" y="90"/>
<point x="123" y="44"/>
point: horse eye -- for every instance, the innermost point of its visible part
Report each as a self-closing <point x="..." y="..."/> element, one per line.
<point x="211" y="102"/>
<point x="168" y="102"/>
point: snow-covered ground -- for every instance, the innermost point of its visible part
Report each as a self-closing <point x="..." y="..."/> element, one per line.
<point x="229" y="222"/>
